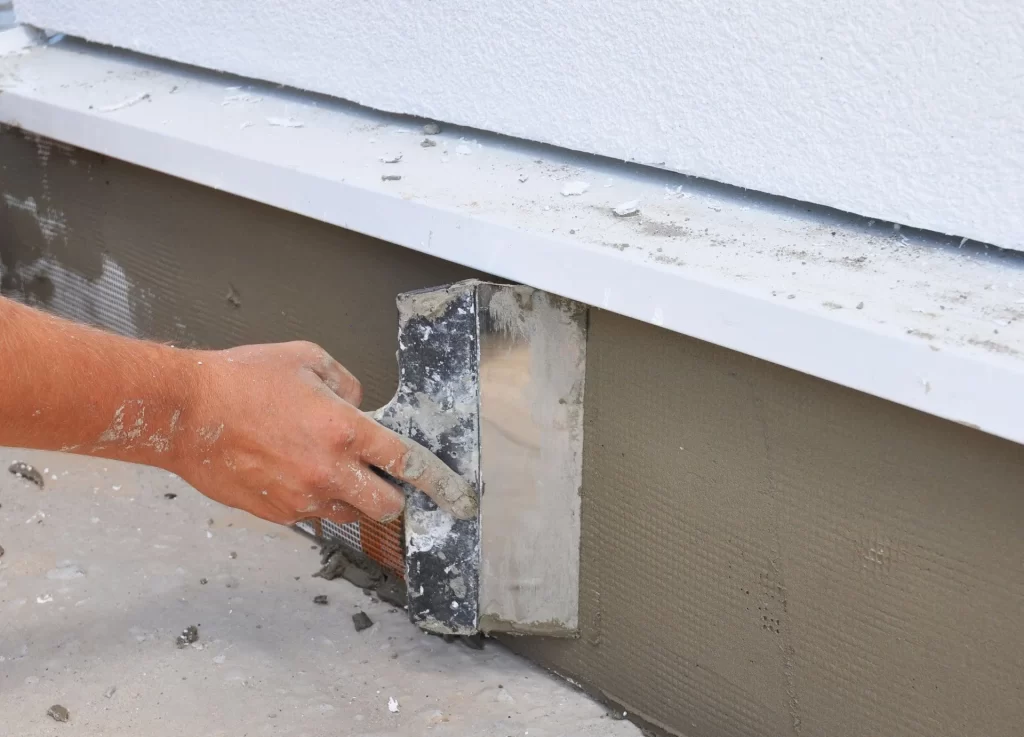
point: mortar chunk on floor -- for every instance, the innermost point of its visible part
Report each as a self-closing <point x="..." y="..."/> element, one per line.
<point x="58" y="713"/>
<point x="361" y="622"/>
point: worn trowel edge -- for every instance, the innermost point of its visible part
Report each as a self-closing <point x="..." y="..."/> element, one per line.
<point x="431" y="302"/>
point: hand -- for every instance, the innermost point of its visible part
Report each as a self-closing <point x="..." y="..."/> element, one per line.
<point x="275" y="430"/>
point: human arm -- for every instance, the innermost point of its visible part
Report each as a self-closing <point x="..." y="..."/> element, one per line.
<point x="271" y="429"/>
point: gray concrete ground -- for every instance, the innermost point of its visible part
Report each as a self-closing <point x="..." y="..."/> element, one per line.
<point x="102" y="571"/>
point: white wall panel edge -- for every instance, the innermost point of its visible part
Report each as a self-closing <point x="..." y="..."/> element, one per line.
<point x="902" y="110"/>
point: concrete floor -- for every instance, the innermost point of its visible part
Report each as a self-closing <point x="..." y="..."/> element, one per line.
<point x="101" y="572"/>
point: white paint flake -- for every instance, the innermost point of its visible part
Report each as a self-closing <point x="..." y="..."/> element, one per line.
<point x="285" y="122"/>
<point x="625" y="209"/>
<point x="242" y="99"/>
<point x="126" y="103"/>
<point x="574" y="189"/>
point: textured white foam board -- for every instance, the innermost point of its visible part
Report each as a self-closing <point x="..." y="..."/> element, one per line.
<point x="904" y="110"/>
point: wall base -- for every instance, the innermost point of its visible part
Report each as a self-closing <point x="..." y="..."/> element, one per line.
<point x="762" y="552"/>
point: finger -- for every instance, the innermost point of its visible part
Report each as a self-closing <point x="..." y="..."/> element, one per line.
<point x="409" y="461"/>
<point x="338" y="379"/>
<point x="375" y="497"/>
<point x="337" y="511"/>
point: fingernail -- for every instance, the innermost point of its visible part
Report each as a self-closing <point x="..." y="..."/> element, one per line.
<point x="458" y="495"/>
<point x="465" y="508"/>
<point x="392" y="516"/>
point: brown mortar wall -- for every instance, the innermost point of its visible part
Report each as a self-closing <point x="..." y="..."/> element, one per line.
<point x="190" y="254"/>
<point x="763" y="553"/>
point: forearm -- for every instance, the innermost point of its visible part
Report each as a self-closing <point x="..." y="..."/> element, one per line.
<point x="272" y="429"/>
<point x="70" y="387"/>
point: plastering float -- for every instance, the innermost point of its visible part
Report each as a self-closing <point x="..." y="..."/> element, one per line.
<point x="491" y="379"/>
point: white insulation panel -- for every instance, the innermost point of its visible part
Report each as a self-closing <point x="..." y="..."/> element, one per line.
<point x="910" y="111"/>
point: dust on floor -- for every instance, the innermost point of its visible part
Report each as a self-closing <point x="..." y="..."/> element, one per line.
<point x="108" y="564"/>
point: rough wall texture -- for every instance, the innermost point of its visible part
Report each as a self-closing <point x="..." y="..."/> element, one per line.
<point x="183" y="263"/>
<point x="763" y="553"/>
<point x="907" y="111"/>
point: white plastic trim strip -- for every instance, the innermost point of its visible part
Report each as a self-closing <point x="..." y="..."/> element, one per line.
<point x="915" y="318"/>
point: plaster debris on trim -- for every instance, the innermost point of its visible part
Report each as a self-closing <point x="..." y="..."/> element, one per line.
<point x="760" y="246"/>
<point x="627" y="209"/>
<point x="758" y="274"/>
<point x="241" y="99"/>
<point x="127" y="102"/>
<point x="574" y="189"/>
<point x="285" y="122"/>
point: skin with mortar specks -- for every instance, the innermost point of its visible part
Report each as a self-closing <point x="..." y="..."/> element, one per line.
<point x="271" y="429"/>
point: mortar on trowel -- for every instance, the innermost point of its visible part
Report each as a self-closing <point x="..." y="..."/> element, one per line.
<point x="491" y="379"/>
